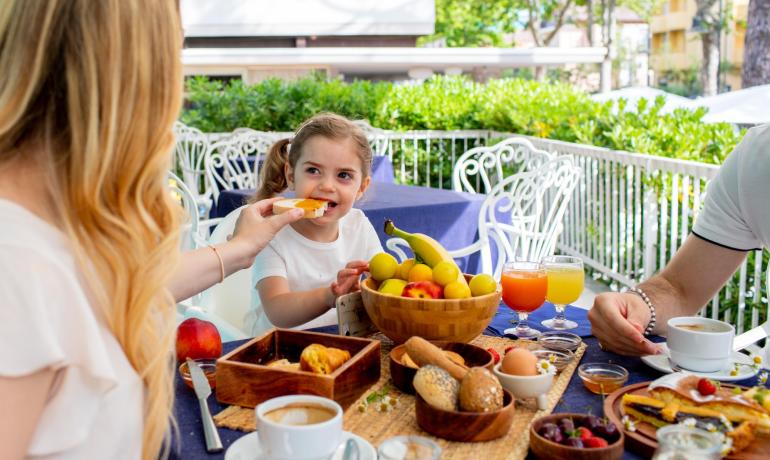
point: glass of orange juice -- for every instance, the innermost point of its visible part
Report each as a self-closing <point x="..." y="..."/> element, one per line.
<point x="565" y="284"/>
<point x="524" y="288"/>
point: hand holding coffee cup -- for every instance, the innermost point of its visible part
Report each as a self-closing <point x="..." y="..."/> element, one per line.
<point x="700" y="344"/>
<point x="299" y="427"/>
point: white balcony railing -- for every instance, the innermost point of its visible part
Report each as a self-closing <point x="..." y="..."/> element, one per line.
<point x="629" y="215"/>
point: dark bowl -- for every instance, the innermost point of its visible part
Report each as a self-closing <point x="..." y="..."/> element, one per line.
<point x="465" y="426"/>
<point x="547" y="450"/>
<point x="402" y="375"/>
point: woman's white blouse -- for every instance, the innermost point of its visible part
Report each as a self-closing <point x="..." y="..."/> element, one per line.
<point x="94" y="408"/>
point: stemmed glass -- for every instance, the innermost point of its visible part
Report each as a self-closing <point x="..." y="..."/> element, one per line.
<point x="524" y="288"/>
<point x="565" y="284"/>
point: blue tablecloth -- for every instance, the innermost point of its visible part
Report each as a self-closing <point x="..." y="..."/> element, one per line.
<point x="575" y="399"/>
<point x="449" y="217"/>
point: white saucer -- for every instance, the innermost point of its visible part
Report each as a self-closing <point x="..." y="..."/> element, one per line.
<point x="248" y="448"/>
<point x="661" y="363"/>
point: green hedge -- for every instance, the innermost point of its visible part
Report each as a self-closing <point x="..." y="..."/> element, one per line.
<point x="550" y="110"/>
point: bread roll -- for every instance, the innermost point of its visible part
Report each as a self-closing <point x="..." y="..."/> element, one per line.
<point x="436" y="387"/>
<point x="322" y="360"/>
<point x="312" y="207"/>
<point x="480" y="391"/>
<point x="423" y="352"/>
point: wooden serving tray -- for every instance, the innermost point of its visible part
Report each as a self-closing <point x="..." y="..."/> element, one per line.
<point x="244" y="379"/>
<point x="644" y="442"/>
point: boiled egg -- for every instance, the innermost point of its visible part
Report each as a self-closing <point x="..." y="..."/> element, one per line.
<point x="519" y="361"/>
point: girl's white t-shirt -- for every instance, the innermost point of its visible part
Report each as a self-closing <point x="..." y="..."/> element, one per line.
<point x="308" y="264"/>
<point x="94" y="407"/>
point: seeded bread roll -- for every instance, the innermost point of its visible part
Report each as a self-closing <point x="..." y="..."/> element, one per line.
<point x="480" y="391"/>
<point x="436" y="387"/>
<point x="424" y="352"/>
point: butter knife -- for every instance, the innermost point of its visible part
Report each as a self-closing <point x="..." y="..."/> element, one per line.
<point x="202" y="391"/>
<point x="751" y="337"/>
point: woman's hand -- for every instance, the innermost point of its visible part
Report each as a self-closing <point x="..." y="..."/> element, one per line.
<point x="618" y="321"/>
<point x="349" y="278"/>
<point x="257" y="225"/>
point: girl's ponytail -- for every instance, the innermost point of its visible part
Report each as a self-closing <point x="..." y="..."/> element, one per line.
<point x="272" y="178"/>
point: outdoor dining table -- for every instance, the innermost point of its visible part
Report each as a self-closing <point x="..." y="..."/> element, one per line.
<point x="576" y="398"/>
<point x="448" y="216"/>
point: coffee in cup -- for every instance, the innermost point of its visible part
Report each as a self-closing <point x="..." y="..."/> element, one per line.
<point x="300" y="414"/>
<point x="299" y="427"/>
<point x="700" y="344"/>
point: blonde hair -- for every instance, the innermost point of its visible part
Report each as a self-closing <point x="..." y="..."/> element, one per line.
<point x="90" y="90"/>
<point x="328" y="125"/>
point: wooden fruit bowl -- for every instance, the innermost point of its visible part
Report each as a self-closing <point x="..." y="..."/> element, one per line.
<point x="452" y="320"/>
<point x="465" y="426"/>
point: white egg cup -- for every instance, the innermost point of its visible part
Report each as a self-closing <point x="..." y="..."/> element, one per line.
<point x="526" y="386"/>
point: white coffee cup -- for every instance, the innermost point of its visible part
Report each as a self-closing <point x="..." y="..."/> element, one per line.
<point x="700" y="344"/>
<point x="288" y="438"/>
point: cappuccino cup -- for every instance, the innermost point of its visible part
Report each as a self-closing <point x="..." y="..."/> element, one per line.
<point x="700" y="344"/>
<point x="299" y="427"/>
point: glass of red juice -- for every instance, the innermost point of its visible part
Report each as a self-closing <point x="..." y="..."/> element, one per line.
<point x="525" y="285"/>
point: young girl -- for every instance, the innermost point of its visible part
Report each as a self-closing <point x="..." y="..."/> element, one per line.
<point x="311" y="262"/>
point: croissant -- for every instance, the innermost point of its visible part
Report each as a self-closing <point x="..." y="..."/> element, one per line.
<point x="322" y="360"/>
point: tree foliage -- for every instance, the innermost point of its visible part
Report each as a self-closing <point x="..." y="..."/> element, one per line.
<point x="473" y="23"/>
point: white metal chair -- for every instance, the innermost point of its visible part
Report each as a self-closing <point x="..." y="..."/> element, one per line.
<point x="520" y="218"/>
<point x="379" y="139"/>
<point x="191" y="145"/>
<point x="227" y="161"/>
<point x="480" y="168"/>
<point x="192" y="236"/>
<point x="224" y="304"/>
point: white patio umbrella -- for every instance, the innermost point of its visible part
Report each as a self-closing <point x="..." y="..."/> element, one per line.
<point x="633" y="93"/>
<point x="750" y="106"/>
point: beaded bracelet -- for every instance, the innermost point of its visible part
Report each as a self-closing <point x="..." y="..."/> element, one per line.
<point x="221" y="264"/>
<point x="651" y="325"/>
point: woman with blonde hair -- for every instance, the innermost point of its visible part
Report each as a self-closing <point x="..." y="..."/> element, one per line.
<point x="89" y="258"/>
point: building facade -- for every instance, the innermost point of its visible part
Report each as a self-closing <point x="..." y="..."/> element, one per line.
<point x="675" y="46"/>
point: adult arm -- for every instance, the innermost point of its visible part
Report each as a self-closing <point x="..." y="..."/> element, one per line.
<point x="256" y="226"/>
<point x="22" y="400"/>
<point x="696" y="273"/>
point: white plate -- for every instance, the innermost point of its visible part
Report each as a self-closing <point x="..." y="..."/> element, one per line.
<point x="661" y="363"/>
<point x="248" y="448"/>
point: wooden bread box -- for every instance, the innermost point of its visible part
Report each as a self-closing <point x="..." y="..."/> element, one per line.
<point x="244" y="379"/>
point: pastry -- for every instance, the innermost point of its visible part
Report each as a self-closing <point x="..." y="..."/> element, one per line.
<point x="480" y="391"/>
<point x="436" y="387"/>
<point x="423" y="352"/>
<point x="322" y="360"/>
<point x="683" y="389"/>
<point x="312" y="207"/>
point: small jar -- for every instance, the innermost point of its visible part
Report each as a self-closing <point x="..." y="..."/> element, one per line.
<point x="409" y="448"/>
<point x="680" y="442"/>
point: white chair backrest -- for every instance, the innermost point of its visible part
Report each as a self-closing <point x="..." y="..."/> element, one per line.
<point x="230" y="299"/>
<point x="191" y="145"/>
<point x="228" y="164"/>
<point x="184" y="196"/>
<point x="480" y="168"/>
<point x="533" y="205"/>
<point x="379" y="139"/>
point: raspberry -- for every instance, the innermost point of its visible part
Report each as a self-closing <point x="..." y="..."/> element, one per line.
<point x="495" y="355"/>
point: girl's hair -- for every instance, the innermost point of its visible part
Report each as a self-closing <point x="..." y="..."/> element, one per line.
<point x="328" y="125"/>
<point x="90" y="91"/>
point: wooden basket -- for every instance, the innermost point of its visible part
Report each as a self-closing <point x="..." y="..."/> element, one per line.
<point x="454" y="320"/>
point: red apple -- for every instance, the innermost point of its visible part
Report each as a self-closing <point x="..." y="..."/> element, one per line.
<point x="423" y="290"/>
<point x="197" y="339"/>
